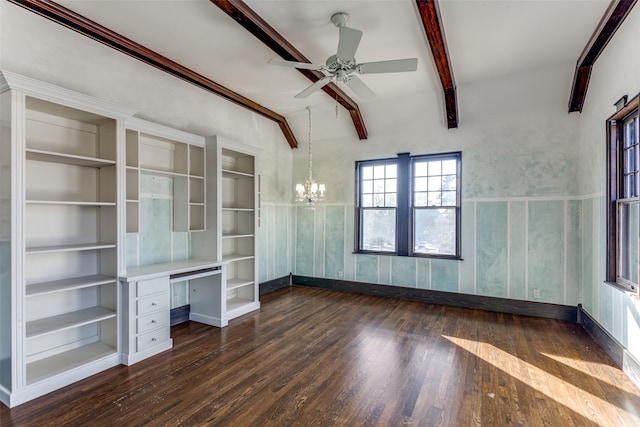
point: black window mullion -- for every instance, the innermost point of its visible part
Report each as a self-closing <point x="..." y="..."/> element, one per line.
<point x="403" y="216"/>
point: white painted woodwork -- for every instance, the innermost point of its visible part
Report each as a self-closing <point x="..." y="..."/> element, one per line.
<point x="232" y="222"/>
<point x="60" y="199"/>
<point x="145" y="296"/>
<point x="145" y="325"/>
<point x="71" y="168"/>
<point x="158" y="150"/>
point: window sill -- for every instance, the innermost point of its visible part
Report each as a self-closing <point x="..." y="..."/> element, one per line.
<point x="429" y="256"/>
<point x="629" y="290"/>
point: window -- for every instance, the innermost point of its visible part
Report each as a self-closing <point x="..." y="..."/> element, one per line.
<point x="623" y="191"/>
<point x="409" y="205"/>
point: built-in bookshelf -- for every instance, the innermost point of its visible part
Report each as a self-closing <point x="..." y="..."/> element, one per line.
<point x="234" y="187"/>
<point x="61" y="163"/>
<point x="154" y="149"/>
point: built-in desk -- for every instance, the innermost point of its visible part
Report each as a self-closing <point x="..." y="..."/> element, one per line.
<point x="145" y="303"/>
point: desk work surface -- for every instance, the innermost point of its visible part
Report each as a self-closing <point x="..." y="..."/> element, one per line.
<point x="152" y="271"/>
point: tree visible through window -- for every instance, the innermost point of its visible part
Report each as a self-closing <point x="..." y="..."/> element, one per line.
<point x="409" y="205"/>
<point x="623" y="215"/>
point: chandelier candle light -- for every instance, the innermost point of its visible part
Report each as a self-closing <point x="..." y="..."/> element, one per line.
<point x="310" y="192"/>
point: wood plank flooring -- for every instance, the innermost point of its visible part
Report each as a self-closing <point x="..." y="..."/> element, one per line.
<point x="313" y="357"/>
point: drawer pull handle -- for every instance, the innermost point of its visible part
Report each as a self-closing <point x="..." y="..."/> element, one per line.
<point x="153" y="339"/>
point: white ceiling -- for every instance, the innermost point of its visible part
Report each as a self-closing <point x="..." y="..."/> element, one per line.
<point x="485" y="38"/>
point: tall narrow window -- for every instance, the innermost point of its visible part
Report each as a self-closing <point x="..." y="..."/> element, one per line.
<point x="409" y="205"/>
<point x="435" y="205"/>
<point x="378" y="202"/>
<point x="624" y="194"/>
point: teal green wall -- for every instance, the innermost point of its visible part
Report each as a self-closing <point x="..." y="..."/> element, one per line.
<point x="274" y="241"/>
<point x="509" y="248"/>
<point x="156" y="241"/>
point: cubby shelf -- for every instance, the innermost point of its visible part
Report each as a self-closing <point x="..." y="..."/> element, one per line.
<point x="163" y="173"/>
<point x="67" y="159"/>
<point x="62" y="362"/>
<point x="54" y="286"/>
<point x="69" y="248"/>
<point x="237" y="304"/>
<point x="68" y="203"/>
<point x="238" y="283"/>
<point x="48" y="325"/>
<point x="236" y="236"/>
<point x="227" y="173"/>
<point x="228" y="209"/>
<point x="235" y="257"/>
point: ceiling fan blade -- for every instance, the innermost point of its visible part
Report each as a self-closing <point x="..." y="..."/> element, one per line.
<point x="348" y="43"/>
<point x="359" y="88"/>
<point x="393" y="66"/>
<point x="317" y="85"/>
<point x="302" y="65"/>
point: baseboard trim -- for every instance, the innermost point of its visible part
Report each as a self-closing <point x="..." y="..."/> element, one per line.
<point x="501" y="305"/>
<point x="616" y="351"/>
<point x="179" y="314"/>
<point x="275" y="284"/>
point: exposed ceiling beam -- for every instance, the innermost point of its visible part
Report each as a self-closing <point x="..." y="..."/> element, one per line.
<point x="609" y="24"/>
<point x="432" y="23"/>
<point x="91" y="29"/>
<point x="252" y="22"/>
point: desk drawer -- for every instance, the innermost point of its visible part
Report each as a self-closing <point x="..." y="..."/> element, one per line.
<point x="152" y="338"/>
<point x="153" y="286"/>
<point x="153" y="303"/>
<point x="152" y="321"/>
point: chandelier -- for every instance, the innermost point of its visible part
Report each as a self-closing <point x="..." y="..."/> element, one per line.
<point x="310" y="192"/>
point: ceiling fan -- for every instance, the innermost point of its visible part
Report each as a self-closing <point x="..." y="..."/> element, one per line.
<point x="343" y="66"/>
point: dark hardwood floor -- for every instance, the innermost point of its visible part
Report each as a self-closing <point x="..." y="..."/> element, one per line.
<point x="318" y="357"/>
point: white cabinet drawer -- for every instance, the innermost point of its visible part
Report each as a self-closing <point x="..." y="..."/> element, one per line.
<point x="153" y="303"/>
<point x="153" y="286"/>
<point x="152" y="321"/>
<point x="152" y="338"/>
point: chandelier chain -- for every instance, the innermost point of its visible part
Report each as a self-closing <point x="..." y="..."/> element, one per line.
<point x="310" y="155"/>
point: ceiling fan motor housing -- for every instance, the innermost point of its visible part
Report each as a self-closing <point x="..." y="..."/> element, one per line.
<point x="334" y="63"/>
<point x="340" y="19"/>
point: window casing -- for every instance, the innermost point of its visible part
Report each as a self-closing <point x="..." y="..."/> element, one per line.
<point x="623" y="195"/>
<point x="409" y="205"/>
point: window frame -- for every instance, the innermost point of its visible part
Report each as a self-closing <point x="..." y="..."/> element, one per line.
<point x="405" y="209"/>
<point x="615" y="185"/>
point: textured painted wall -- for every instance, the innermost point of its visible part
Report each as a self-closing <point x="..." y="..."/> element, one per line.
<point x="156" y="241"/>
<point x="615" y="74"/>
<point x="510" y="248"/>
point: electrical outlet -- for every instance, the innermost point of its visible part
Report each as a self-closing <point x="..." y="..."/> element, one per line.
<point x="340" y="274"/>
<point x="536" y="293"/>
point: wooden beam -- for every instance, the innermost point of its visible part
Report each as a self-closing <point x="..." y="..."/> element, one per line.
<point x="432" y="23"/>
<point x="240" y="12"/>
<point x="609" y="24"/>
<point x="91" y="29"/>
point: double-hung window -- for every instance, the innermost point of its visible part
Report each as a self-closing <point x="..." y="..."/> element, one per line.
<point x="623" y="191"/>
<point x="409" y="205"/>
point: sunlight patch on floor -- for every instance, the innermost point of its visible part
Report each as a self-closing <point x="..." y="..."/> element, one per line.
<point x="551" y="386"/>
<point x="588" y="368"/>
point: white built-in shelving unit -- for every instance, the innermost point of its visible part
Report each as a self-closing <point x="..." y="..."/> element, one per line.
<point x="71" y="168"/>
<point x="234" y="187"/>
<point x="61" y="291"/>
<point x="159" y="150"/>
